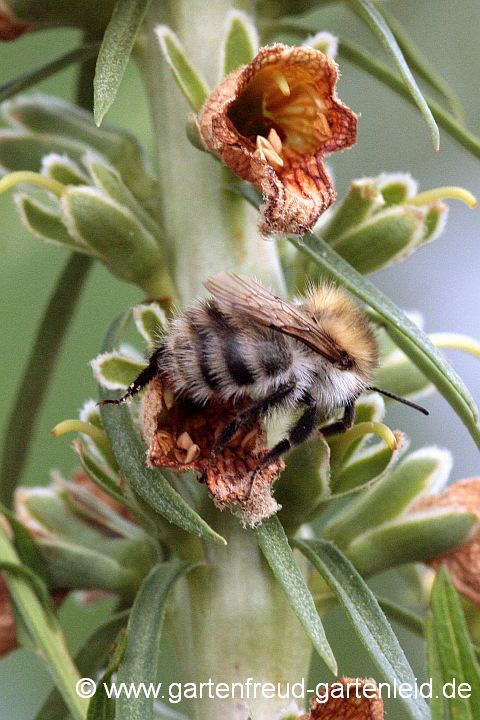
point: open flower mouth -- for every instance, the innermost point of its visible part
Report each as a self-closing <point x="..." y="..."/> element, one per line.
<point x="272" y="122"/>
<point x="282" y="113"/>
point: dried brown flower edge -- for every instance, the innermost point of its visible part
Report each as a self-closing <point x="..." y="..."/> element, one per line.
<point x="272" y="122"/>
<point x="181" y="436"/>
<point x="347" y="699"/>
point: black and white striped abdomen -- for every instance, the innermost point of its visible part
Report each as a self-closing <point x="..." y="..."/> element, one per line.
<point x="211" y="351"/>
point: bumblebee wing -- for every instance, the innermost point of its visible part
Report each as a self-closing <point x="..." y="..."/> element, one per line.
<point x="248" y="297"/>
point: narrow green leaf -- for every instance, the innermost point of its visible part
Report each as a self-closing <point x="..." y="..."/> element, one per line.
<point x="24" y="543"/>
<point x="118" y="40"/>
<point x="353" y="53"/>
<point x="32" y="77"/>
<point x="455" y="649"/>
<point x="437" y="702"/>
<point x="88" y="659"/>
<point x="34" y="383"/>
<point x="190" y="82"/>
<point x="401" y="615"/>
<point x="102" y="707"/>
<point x="410" y="620"/>
<point x="368" y="620"/>
<point x="49" y="641"/>
<point x="36" y="583"/>
<point x="420" y="64"/>
<point x="304" y="483"/>
<point x="108" y="485"/>
<point x="240" y="42"/>
<point x="129" y="450"/>
<point x="140" y="661"/>
<point x="274" y="545"/>
<point x="368" y="12"/>
<point x="413" y="341"/>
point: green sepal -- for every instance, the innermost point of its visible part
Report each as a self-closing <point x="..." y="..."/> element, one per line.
<point x="115" y="370"/>
<point x="454" y="647"/>
<point x="415" y="537"/>
<point x="366" y="466"/>
<point x="107" y="178"/>
<point x="102" y="707"/>
<point x="79" y="552"/>
<point x="396" y="188"/>
<point x="128" y="248"/>
<point x="370" y="408"/>
<point x="361" y="201"/>
<point x="46" y="224"/>
<point x="61" y="168"/>
<point x="304" y="483"/>
<point x="385" y="237"/>
<point x="434" y="221"/>
<point x="422" y="472"/>
<point x="240" y="42"/>
<point x="73" y="566"/>
<point x="188" y="79"/>
<point x="114" y="54"/>
<point x="151" y="322"/>
<point x="323" y="41"/>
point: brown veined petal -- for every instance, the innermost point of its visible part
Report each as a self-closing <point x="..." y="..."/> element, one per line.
<point x="463" y="562"/>
<point x="272" y="122"/>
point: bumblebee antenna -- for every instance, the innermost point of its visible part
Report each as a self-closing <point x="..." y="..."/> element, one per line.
<point x="401" y="400"/>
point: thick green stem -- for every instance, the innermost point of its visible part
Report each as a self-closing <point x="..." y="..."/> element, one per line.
<point x="231" y="621"/>
<point x="204" y="230"/>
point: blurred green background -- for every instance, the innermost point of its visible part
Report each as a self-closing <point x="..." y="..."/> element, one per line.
<point x="441" y="280"/>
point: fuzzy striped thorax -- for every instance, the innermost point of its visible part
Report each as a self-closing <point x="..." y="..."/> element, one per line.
<point x="272" y="122"/>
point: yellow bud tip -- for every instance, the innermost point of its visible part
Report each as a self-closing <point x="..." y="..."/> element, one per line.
<point x="443" y="193"/>
<point x="31" y="178"/>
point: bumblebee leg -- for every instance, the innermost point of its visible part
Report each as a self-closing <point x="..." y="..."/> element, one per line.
<point x="251" y="415"/>
<point x="300" y="432"/>
<point x="341" y="425"/>
<point x="140" y="381"/>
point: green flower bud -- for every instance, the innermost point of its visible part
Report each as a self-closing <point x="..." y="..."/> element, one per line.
<point x="84" y="542"/>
